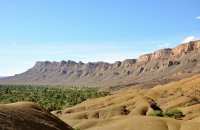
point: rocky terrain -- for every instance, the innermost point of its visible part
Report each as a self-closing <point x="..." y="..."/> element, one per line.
<point x="28" y="116"/>
<point x="148" y="70"/>
<point x="129" y="109"/>
<point x="123" y="110"/>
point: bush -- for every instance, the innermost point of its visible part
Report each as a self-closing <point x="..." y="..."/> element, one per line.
<point x="177" y="114"/>
<point x="156" y="113"/>
<point x="174" y="113"/>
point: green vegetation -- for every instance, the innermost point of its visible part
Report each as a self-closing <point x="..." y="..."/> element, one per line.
<point x="174" y="113"/>
<point x="50" y="98"/>
<point x="156" y="113"/>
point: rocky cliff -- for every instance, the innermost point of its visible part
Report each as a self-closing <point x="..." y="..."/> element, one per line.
<point x="159" y="67"/>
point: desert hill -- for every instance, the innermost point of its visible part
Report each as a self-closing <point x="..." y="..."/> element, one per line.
<point x="28" y="116"/>
<point x="129" y="109"/>
<point x="159" y="67"/>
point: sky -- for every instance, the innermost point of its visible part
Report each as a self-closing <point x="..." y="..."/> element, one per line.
<point x="91" y="30"/>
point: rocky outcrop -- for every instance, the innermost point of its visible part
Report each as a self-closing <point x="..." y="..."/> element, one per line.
<point x="159" y="67"/>
<point x="187" y="47"/>
<point x="128" y="62"/>
<point x="144" y="58"/>
<point x="183" y="48"/>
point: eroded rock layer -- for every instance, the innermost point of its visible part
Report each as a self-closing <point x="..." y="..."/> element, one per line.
<point x="148" y="70"/>
<point x="129" y="110"/>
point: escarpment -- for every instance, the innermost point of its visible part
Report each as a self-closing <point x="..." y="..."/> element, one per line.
<point x="159" y="67"/>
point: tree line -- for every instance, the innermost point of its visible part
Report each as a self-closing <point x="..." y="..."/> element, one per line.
<point x="50" y="98"/>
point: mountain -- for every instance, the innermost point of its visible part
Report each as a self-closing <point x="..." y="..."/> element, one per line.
<point x="129" y="109"/>
<point x="148" y="70"/>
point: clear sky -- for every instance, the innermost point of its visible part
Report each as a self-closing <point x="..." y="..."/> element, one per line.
<point x="91" y="30"/>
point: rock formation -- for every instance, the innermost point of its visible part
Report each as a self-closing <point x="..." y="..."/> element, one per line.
<point x="159" y="67"/>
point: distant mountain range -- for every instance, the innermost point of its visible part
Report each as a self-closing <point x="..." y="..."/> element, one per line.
<point x="148" y="70"/>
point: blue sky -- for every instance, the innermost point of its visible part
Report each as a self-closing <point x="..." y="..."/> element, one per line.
<point x="91" y="30"/>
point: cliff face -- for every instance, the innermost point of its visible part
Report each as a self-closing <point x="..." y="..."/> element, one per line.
<point x="168" y="52"/>
<point x="184" y="48"/>
<point x="151" y="69"/>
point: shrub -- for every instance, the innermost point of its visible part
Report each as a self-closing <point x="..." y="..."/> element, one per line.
<point x="177" y="114"/>
<point x="156" y="113"/>
<point x="174" y="113"/>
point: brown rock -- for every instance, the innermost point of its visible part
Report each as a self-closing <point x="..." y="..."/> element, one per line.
<point x="148" y="70"/>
